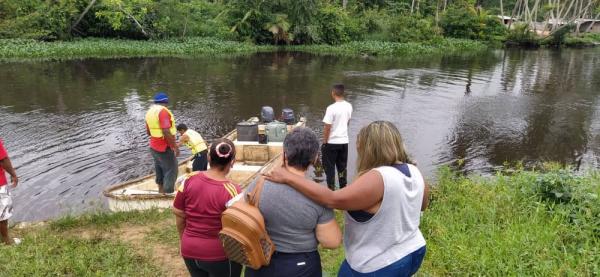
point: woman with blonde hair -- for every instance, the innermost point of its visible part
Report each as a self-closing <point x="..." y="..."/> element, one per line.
<point x="383" y="204"/>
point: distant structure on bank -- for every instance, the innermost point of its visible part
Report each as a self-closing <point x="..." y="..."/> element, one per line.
<point x="546" y="19"/>
<point x="544" y="28"/>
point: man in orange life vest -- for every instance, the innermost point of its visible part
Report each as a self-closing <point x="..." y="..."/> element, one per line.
<point x="160" y="125"/>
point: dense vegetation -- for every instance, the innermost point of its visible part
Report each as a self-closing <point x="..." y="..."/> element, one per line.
<point x="259" y="21"/>
<point x="525" y="223"/>
<point x="189" y="47"/>
<point x="114" y="48"/>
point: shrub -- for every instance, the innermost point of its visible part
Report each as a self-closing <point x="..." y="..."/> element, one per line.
<point x="493" y="29"/>
<point x="37" y="19"/>
<point x="583" y="40"/>
<point x="198" y="18"/>
<point x="461" y="21"/>
<point x="376" y="24"/>
<point x="412" y="29"/>
<point x="555" y="186"/>
<point x="558" y="38"/>
<point x="332" y="25"/>
<point x="520" y="35"/>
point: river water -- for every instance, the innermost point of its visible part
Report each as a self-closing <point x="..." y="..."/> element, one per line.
<point x="73" y="128"/>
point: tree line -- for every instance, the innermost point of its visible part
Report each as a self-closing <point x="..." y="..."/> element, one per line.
<point x="278" y="21"/>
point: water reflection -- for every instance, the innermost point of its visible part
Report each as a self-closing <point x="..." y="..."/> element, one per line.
<point x="543" y="111"/>
<point x="75" y="127"/>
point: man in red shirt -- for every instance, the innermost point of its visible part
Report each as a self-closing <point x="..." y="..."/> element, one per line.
<point x="5" y="198"/>
<point x="160" y="125"/>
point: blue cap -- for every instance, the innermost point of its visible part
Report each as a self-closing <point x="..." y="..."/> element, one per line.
<point x="161" y="97"/>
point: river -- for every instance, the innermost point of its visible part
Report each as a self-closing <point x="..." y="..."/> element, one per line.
<point x="74" y="127"/>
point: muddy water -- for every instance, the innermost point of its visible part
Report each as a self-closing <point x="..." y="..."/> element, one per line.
<point x="74" y="127"/>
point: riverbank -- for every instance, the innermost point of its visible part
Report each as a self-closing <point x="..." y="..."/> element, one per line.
<point x="23" y="49"/>
<point x="514" y="223"/>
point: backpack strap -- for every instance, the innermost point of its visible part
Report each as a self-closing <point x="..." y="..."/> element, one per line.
<point x="254" y="195"/>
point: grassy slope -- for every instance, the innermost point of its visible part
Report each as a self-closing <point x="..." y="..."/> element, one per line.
<point x="511" y="225"/>
<point x="492" y="226"/>
<point x="85" y="246"/>
<point x="11" y="49"/>
<point x="584" y="40"/>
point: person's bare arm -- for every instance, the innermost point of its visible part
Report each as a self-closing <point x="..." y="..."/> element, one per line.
<point x="425" y="203"/>
<point x="7" y="165"/>
<point x="329" y="234"/>
<point x="179" y="220"/>
<point x="170" y="140"/>
<point x="182" y="140"/>
<point x="364" y="193"/>
<point x="326" y="132"/>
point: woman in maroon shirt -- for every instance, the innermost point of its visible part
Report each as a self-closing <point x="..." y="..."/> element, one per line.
<point x="198" y="206"/>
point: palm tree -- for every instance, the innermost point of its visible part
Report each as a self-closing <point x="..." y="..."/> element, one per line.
<point x="280" y="27"/>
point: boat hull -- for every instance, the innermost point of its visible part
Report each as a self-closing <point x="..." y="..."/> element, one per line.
<point x="252" y="159"/>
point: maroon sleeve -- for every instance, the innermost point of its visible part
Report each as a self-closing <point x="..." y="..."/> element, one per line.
<point x="179" y="202"/>
<point x="164" y="119"/>
<point x="237" y="187"/>
<point x="3" y="154"/>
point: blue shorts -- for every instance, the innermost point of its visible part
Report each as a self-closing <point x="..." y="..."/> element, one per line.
<point x="406" y="266"/>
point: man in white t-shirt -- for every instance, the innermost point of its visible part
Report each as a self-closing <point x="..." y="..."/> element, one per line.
<point x="335" y="137"/>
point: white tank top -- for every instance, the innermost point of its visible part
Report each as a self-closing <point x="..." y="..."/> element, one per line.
<point x="393" y="232"/>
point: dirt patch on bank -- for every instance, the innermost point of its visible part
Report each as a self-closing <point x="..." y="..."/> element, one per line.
<point x="165" y="255"/>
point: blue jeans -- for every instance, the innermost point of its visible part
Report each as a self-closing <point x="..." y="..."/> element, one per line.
<point x="165" y="165"/>
<point x="406" y="266"/>
<point x="306" y="264"/>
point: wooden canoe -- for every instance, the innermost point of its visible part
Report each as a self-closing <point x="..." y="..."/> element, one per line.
<point x="252" y="158"/>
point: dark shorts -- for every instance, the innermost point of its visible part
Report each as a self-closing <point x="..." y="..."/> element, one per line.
<point x="200" y="162"/>
<point x="290" y="265"/>
<point x="225" y="268"/>
<point x="165" y="165"/>
<point x="404" y="267"/>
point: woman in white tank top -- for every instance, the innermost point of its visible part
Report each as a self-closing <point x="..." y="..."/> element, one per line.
<point x="383" y="205"/>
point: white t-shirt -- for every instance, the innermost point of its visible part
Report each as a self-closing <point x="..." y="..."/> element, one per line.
<point x="338" y="114"/>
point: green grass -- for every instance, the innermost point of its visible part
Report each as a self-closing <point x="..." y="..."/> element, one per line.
<point x="445" y="46"/>
<point x="48" y="253"/>
<point x="585" y="40"/>
<point x="517" y="223"/>
<point x="332" y="258"/>
<point x="166" y="235"/>
<point x="116" y="48"/>
<point x="20" y="49"/>
<point x="104" y="220"/>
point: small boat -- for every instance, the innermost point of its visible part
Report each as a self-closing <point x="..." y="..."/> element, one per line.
<point x="252" y="158"/>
